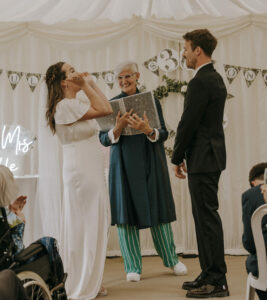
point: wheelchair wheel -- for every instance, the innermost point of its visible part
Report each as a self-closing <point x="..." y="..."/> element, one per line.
<point x="35" y="286"/>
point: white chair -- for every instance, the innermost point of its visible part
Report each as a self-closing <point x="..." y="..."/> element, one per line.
<point x="253" y="282"/>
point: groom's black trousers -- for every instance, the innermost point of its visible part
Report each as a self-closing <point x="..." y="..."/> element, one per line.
<point x="203" y="189"/>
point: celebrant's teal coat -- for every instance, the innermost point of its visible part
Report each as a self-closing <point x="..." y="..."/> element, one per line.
<point x="139" y="184"/>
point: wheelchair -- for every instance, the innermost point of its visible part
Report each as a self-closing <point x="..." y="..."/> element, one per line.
<point x="31" y="265"/>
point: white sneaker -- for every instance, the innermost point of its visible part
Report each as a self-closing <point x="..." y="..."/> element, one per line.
<point x="180" y="269"/>
<point x="133" y="277"/>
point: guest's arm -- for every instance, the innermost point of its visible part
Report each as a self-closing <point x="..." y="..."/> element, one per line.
<point x="17" y="206"/>
<point x="264" y="192"/>
<point x="247" y="211"/>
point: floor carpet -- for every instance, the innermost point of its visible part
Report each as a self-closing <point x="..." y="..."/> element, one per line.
<point x="158" y="282"/>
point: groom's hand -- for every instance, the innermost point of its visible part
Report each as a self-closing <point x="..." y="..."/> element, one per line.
<point x="180" y="170"/>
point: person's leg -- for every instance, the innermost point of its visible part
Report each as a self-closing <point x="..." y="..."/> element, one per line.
<point x="261" y="294"/>
<point x="203" y="190"/>
<point x="212" y="280"/>
<point x="11" y="287"/>
<point x="130" y="248"/>
<point x="164" y="244"/>
<point x="194" y="185"/>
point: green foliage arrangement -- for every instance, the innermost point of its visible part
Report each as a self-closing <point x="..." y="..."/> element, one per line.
<point x="172" y="86"/>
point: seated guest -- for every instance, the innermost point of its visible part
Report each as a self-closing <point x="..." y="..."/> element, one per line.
<point x="13" y="206"/>
<point x="11" y="287"/>
<point x="251" y="200"/>
<point x="256" y="174"/>
<point x="16" y="221"/>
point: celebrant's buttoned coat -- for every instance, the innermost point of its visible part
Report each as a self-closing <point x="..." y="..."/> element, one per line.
<point x="139" y="184"/>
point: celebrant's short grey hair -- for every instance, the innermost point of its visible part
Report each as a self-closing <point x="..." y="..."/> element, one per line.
<point x="126" y="65"/>
<point x="8" y="187"/>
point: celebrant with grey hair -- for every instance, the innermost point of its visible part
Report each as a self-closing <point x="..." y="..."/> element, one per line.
<point x="139" y="184"/>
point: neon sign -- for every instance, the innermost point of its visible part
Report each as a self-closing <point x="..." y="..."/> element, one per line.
<point x="15" y="142"/>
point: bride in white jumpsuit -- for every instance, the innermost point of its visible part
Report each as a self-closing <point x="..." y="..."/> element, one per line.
<point x="85" y="211"/>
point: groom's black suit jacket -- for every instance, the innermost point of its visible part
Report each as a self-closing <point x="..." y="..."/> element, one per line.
<point x="200" y="136"/>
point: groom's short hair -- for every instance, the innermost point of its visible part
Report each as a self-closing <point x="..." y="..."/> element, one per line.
<point x="202" y="38"/>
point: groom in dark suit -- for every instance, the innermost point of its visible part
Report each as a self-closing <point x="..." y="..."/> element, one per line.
<point x="200" y="142"/>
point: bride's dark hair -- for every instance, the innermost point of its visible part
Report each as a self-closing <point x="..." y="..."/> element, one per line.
<point x="53" y="77"/>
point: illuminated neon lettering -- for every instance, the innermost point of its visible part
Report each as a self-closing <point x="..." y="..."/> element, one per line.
<point x="24" y="146"/>
<point x="11" y="166"/>
<point x="9" y="138"/>
<point x="15" y="142"/>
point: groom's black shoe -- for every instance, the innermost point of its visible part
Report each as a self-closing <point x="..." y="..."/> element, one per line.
<point x="198" y="282"/>
<point x="209" y="291"/>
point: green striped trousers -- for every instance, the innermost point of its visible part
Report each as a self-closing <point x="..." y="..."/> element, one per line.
<point x="130" y="246"/>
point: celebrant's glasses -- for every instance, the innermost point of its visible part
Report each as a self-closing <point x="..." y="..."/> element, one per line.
<point x="127" y="76"/>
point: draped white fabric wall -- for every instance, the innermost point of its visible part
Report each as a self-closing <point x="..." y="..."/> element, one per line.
<point x="242" y="43"/>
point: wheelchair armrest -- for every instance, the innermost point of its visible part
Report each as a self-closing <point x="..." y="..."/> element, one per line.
<point x="30" y="251"/>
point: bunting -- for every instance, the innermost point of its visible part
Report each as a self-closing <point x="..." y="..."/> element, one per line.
<point x="14" y="78"/>
<point x="231" y="72"/>
<point x="168" y="60"/>
<point x="33" y="80"/>
<point x="264" y="75"/>
<point x="229" y="96"/>
<point x="95" y="76"/>
<point x="152" y="65"/>
<point x="250" y="75"/>
<point x="109" y="78"/>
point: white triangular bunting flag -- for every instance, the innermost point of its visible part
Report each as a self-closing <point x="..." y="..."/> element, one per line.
<point x="229" y="96"/>
<point x="95" y="76"/>
<point x="264" y="75"/>
<point x="152" y="65"/>
<point x="168" y="60"/>
<point x="250" y="75"/>
<point x="109" y="78"/>
<point x="33" y="80"/>
<point x="231" y="72"/>
<point x="14" y="78"/>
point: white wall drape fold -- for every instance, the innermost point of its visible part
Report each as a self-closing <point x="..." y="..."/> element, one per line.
<point x="84" y="33"/>
<point x="50" y="186"/>
<point x="56" y="11"/>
